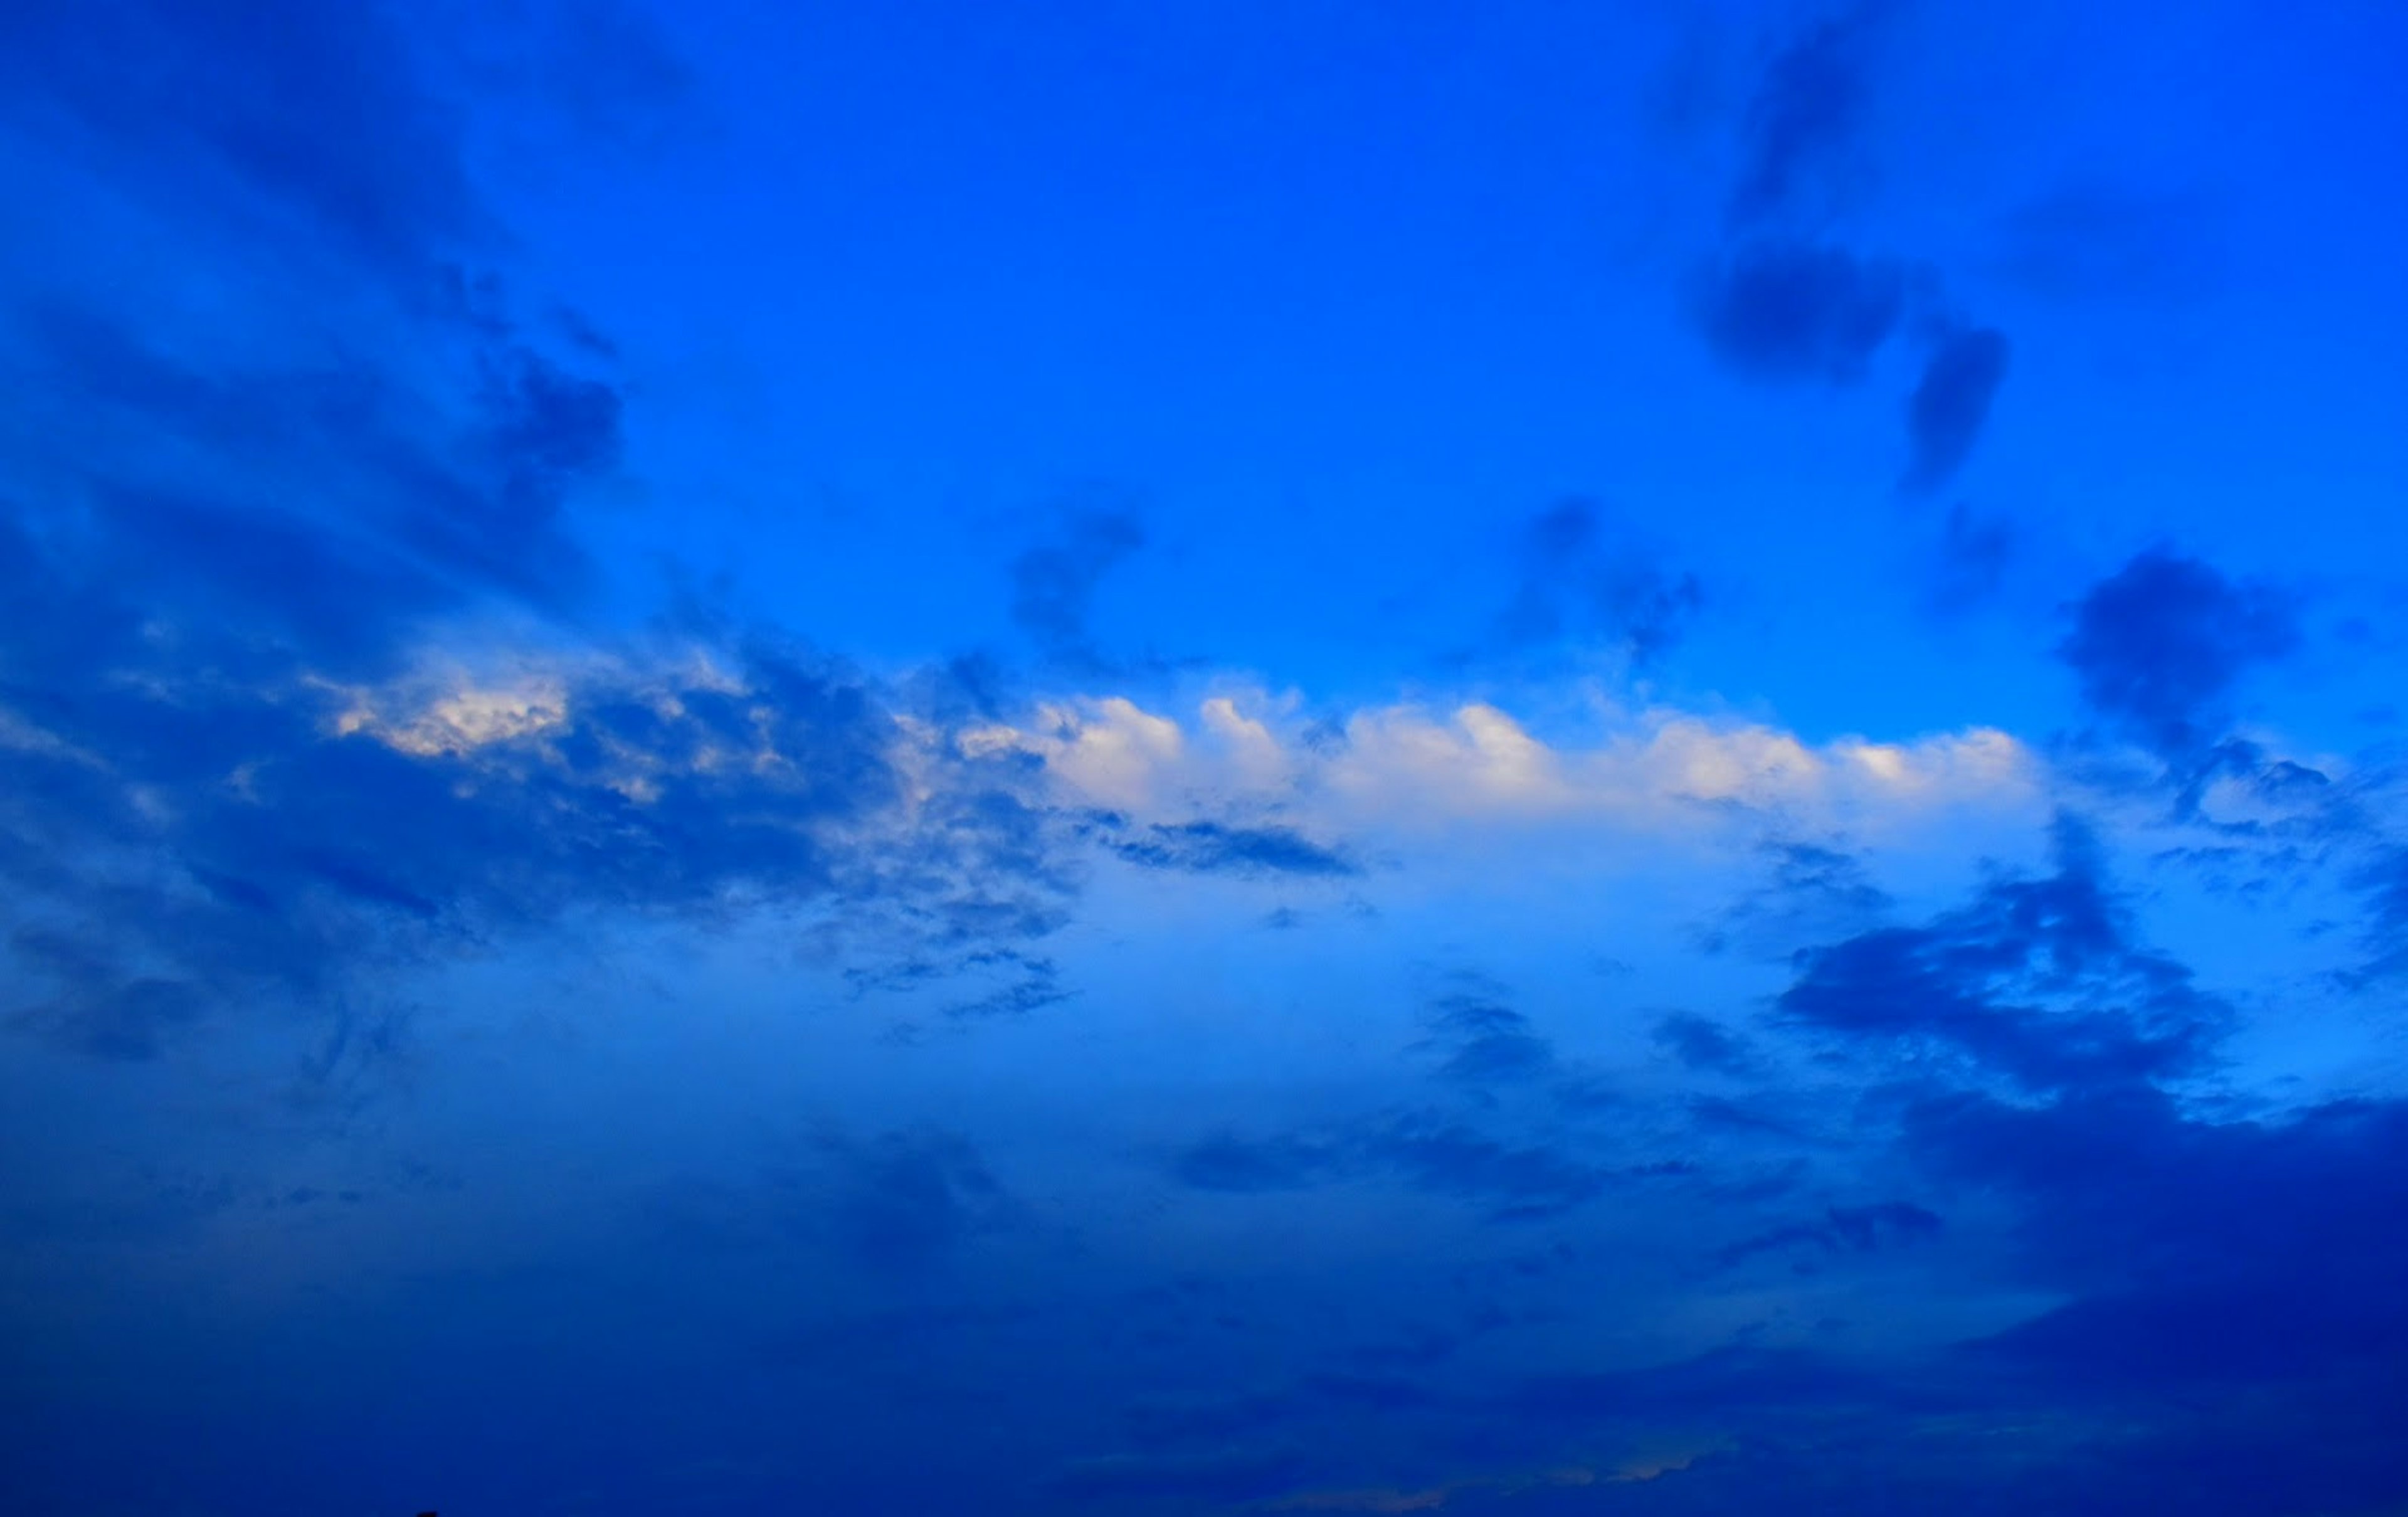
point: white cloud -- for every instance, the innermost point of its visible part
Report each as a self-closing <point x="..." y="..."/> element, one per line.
<point x="1402" y="767"/>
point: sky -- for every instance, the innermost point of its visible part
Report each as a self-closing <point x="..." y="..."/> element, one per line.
<point x="1170" y="760"/>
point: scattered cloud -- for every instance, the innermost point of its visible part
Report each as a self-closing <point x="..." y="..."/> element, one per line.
<point x="1586" y="580"/>
<point x="1703" y="1044"/>
<point x="1813" y="893"/>
<point x="1970" y="560"/>
<point x="2037" y="980"/>
<point x="1860" y="1229"/>
<point x="1484" y="1042"/>
<point x="1053" y="582"/>
<point x="1806" y="115"/>
<point x="1786" y="301"/>
<point x="2160" y="644"/>
<point x="1951" y="403"/>
<point x="1218" y="847"/>
<point x="1786" y="311"/>
<point x="907" y="1201"/>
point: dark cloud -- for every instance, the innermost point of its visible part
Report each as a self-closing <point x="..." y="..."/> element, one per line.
<point x="1862" y="1229"/>
<point x="319" y="110"/>
<point x="232" y="540"/>
<point x="1815" y="893"/>
<point x="1806" y="114"/>
<point x="1484" y="1042"/>
<point x="1970" y="560"/>
<point x="1512" y="1180"/>
<point x="1053" y="582"/>
<point x="2196" y="1253"/>
<point x="314" y="502"/>
<point x="1951" y="402"/>
<point x="1585" y="578"/>
<point x="1033" y="985"/>
<point x="1785" y="302"/>
<point x="1219" y="848"/>
<point x="605" y="65"/>
<point x="1703" y="1044"/>
<point x="907" y="1201"/>
<point x="900" y="1208"/>
<point x="2383" y="884"/>
<point x="2160" y="643"/>
<point x="1789" y="312"/>
<point x="348" y="127"/>
<point x="1432" y="1151"/>
<point x="2038" y="981"/>
<point x="294" y="835"/>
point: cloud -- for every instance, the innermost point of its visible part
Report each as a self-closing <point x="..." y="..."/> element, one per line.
<point x="1813" y="893"/>
<point x="2037" y="980"/>
<point x="1053" y="582"/>
<point x="1790" y="312"/>
<point x="1705" y="1045"/>
<point x="331" y="506"/>
<point x="241" y="827"/>
<point x="1584" y="582"/>
<point x="345" y="130"/>
<point x="331" y="118"/>
<point x="907" y="1201"/>
<point x="239" y="526"/>
<point x="1951" y="402"/>
<point x="1484" y="1042"/>
<point x="2383" y="883"/>
<point x="1785" y="303"/>
<point x="241" y="533"/>
<point x="1219" y="848"/>
<point x="2159" y="645"/>
<point x="1806" y="113"/>
<point x="1407" y="766"/>
<point x="2194" y="1253"/>
<point x="1862" y="1229"/>
<point x="1970" y="561"/>
<point x="1432" y="1151"/>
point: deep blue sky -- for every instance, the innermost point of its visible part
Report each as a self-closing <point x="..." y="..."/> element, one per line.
<point x="1165" y="759"/>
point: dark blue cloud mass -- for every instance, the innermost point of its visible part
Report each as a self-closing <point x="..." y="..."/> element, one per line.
<point x="1586" y="579"/>
<point x="2037" y="980"/>
<point x="2160" y="643"/>
<point x="1787" y="301"/>
<point x="326" y="112"/>
<point x="1806" y="113"/>
<point x="1054" y="582"/>
<point x="1793" y="311"/>
<point x="1951" y="403"/>
<point x="1221" y="847"/>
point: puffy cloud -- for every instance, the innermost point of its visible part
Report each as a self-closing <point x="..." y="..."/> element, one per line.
<point x="1403" y="767"/>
